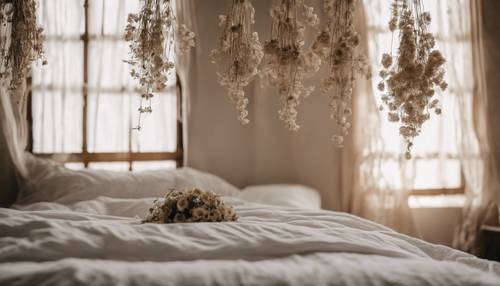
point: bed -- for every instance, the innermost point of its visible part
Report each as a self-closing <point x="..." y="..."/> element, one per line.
<point x="84" y="228"/>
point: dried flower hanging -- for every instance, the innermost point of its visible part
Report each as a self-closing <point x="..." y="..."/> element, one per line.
<point x="21" y="42"/>
<point x="336" y="45"/>
<point x="410" y="80"/>
<point x="287" y="64"/>
<point x="239" y="54"/>
<point x="153" y="35"/>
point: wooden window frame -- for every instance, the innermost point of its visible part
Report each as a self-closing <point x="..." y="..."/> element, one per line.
<point x="86" y="157"/>
<point x="441" y="191"/>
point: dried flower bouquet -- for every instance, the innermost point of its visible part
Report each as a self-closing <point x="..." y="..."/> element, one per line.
<point x="239" y="53"/>
<point x="190" y="206"/>
<point x="153" y="35"/>
<point x="410" y="79"/>
<point x="287" y="64"/>
<point x="336" y="46"/>
<point x="21" y="42"/>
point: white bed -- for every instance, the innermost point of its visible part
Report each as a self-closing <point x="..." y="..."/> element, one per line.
<point x="85" y="237"/>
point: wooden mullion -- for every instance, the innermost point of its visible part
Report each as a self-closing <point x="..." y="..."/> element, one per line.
<point x="85" y="39"/>
<point x="437" y="192"/>
<point x="111" y="157"/>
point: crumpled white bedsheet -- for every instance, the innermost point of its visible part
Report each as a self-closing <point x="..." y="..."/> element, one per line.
<point x="100" y="242"/>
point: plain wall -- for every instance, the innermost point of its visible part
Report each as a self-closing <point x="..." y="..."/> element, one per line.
<point x="263" y="151"/>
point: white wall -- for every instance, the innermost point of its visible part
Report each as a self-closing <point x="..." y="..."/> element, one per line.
<point x="437" y="225"/>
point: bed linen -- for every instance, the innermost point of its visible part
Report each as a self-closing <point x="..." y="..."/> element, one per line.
<point x="102" y="242"/>
<point x="288" y="195"/>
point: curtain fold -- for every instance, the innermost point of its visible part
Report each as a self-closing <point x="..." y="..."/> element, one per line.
<point x="185" y="65"/>
<point x="480" y="146"/>
<point x="13" y="130"/>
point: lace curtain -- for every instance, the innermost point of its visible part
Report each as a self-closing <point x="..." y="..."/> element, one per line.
<point x="377" y="179"/>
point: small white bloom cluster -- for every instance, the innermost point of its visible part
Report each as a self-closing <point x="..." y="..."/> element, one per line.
<point x="409" y="81"/>
<point x="287" y="65"/>
<point x="336" y="45"/>
<point x="239" y="54"/>
<point x="21" y="41"/>
<point x="190" y="206"/>
<point x="153" y="34"/>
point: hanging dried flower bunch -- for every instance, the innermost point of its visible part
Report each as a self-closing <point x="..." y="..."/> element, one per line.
<point x="336" y="45"/>
<point x="410" y="79"/>
<point x="287" y="64"/>
<point x="194" y="205"/>
<point x="239" y="54"/>
<point x="153" y="35"/>
<point x="21" y="42"/>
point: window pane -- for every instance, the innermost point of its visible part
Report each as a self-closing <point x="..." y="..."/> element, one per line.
<point x="110" y="166"/>
<point x="62" y="18"/>
<point x="437" y="174"/>
<point x="109" y="17"/>
<point x="106" y="67"/>
<point x="159" y="129"/>
<point x="153" y="165"/>
<point x="109" y="124"/>
<point x="64" y="69"/>
<point x="57" y="122"/>
<point x="74" y="166"/>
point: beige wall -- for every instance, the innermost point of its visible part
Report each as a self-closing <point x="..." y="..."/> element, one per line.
<point x="263" y="151"/>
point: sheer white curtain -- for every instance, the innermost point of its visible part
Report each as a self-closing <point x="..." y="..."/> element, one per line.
<point x="378" y="184"/>
<point x="479" y="136"/>
<point x="113" y="97"/>
<point x="13" y="130"/>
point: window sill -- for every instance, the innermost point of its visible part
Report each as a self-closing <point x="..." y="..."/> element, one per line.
<point x="442" y="201"/>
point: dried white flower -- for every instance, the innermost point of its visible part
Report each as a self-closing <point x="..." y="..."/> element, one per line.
<point x="195" y="205"/>
<point x="153" y="35"/>
<point x="21" y="42"/>
<point x="336" y="46"/>
<point x="411" y="80"/>
<point x="239" y="54"/>
<point x="287" y="65"/>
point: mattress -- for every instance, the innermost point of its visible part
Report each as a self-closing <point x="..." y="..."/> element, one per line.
<point x="102" y="241"/>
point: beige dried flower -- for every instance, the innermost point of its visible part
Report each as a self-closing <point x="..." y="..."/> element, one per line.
<point x="336" y="46"/>
<point x="411" y="79"/>
<point x="194" y="205"/>
<point x="154" y="35"/>
<point x="21" y="43"/>
<point x="239" y="54"/>
<point x="286" y="64"/>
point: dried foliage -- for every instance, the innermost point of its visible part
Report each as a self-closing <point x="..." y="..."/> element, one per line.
<point x="336" y="46"/>
<point x="190" y="206"/>
<point x="410" y="79"/>
<point x="154" y="35"/>
<point x="239" y="54"/>
<point x="287" y="64"/>
<point x="21" y="41"/>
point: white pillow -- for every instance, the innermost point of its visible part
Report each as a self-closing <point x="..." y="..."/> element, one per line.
<point x="50" y="182"/>
<point x="283" y="195"/>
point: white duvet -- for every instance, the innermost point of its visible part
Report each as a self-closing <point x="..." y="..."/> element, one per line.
<point x="101" y="242"/>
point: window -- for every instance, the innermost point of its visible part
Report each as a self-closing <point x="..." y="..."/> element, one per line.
<point x="436" y="167"/>
<point x="84" y="103"/>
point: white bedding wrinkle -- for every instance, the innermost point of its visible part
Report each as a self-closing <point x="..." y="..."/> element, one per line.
<point x="100" y="241"/>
